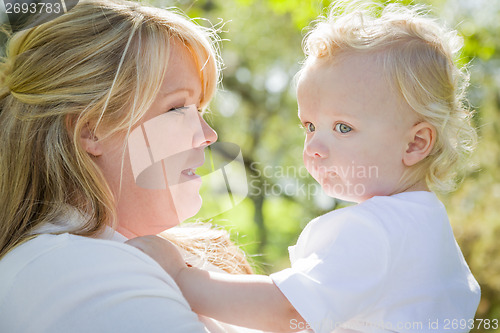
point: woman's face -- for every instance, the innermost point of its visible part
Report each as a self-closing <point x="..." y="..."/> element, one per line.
<point x="159" y="188"/>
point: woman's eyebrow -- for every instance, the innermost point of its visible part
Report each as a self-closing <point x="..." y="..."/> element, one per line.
<point x="179" y="91"/>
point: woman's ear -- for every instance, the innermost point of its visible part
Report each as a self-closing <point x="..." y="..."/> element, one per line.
<point x="90" y="142"/>
<point x="422" y="139"/>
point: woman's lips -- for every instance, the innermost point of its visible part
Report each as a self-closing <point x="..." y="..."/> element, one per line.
<point x="190" y="173"/>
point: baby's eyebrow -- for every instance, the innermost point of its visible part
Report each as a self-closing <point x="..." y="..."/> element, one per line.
<point x="339" y="115"/>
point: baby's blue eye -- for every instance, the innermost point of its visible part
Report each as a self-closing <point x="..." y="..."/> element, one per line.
<point x="342" y="128"/>
<point x="310" y="127"/>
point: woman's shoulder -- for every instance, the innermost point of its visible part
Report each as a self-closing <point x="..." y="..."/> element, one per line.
<point x="67" y="249"/>
<point x="70" y="277"/>
<point x="51" y="259"/>
<point x="47" y="255"/>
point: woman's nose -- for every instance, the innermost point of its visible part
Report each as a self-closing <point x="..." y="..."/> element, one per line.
<point x="205" y="136"/>
<point x="314" y="147"/>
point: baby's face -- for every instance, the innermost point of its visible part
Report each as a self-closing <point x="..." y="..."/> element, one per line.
<point x="357" y="127"/>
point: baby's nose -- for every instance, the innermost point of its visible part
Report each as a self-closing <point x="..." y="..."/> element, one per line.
<point x="315" y="148"/>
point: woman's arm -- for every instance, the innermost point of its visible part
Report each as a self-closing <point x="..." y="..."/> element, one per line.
<point x="251" y="301"/>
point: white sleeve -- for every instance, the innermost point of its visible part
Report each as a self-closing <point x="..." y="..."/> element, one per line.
<point x="97" y="286"/>
<point x="337" y="271"/>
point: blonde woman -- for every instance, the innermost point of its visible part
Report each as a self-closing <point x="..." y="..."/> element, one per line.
<point x="85" y="99"/>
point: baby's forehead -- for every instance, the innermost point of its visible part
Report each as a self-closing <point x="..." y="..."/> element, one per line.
<point x="362" y="62"/>
<point x="353" y="83"/>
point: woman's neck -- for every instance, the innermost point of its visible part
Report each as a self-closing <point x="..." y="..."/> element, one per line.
<point x="125" y="232"/>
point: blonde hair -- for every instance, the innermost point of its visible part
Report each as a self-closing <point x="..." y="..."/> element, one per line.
<point x="419" y="57"/>
<point x="101" y="63"/>
<point x="209" y="244"/>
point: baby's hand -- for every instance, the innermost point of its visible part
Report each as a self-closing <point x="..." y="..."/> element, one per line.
<point x="162" y="251"/>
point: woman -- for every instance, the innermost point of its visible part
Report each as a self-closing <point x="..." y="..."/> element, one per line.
<point x="84" y="101"/>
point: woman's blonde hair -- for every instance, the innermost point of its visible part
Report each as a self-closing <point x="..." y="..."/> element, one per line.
<point x="101" y="64"/>
<point x="419" y="57"/>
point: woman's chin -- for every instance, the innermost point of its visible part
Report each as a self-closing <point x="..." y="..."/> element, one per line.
<point x="185" y="214"/>
<point x="187" y="206"/>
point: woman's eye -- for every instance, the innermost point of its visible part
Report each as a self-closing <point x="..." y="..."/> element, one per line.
<point x="342" y="128"/>
<point x="310" y="127"/>
<point x="179" y="109"/>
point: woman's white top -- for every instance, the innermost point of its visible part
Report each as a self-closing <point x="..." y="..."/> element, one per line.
<point x="389" y="264"/>
<point x="67" y="283"/>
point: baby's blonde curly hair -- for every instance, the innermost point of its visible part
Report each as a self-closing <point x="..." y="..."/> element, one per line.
<point x="419" y="56"/>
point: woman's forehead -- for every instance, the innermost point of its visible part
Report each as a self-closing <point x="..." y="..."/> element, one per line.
<point x="182" y="72"/>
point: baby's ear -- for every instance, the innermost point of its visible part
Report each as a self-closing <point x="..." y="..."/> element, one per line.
<point x="422" y="138"/>
<point x="90" y="142"/>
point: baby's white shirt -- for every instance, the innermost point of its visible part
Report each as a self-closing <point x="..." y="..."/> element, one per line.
<point x="388" y="264"/>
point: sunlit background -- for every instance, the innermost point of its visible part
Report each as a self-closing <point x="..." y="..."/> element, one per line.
<point x="256" y="110"/>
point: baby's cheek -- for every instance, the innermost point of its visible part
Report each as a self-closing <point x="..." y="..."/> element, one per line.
<point x="307" y="162"/>
<point x="304" y="158"/>
<point x="364" y="174"/>
<point x="381" y="181"/>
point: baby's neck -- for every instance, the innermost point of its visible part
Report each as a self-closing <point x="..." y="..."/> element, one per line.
<point x="419" y="186"/>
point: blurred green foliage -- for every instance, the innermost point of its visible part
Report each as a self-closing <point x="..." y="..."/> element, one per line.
<point x="256" y="109"/>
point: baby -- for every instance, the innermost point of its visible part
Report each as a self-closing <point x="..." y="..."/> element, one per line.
<point x="381" y="100"/>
